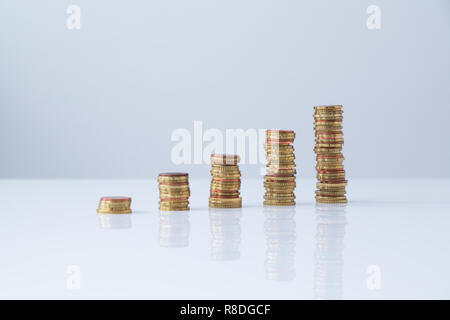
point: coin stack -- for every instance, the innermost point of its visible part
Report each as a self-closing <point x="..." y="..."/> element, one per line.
<point x="115" y="205"/>
<point x="329" y="142"/>
<point x="226" y="182"/>
<point x="279" y="181"/>
<point x="174" y="191"/>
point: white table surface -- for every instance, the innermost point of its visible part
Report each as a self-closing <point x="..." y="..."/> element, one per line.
<point x="396" y="229"/>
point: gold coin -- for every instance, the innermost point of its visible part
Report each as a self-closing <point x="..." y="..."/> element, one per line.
<point x="281" y="183"/>
<point x="226" y="177"/>
<point x="174" y="209"/>
<point x="225" y="159"/>
<point x="329" y="167"/>
<point x="329" y="128"/>
<point x="331" y="192"/>
<point x="330" y="176"/>
<point x="320" y="145"/>
<point x="184" y="194"/>
<point x="324" y="151"/>
<point x="278" y="203"/>
<point x="173" y="176"/>
<point x="224" y="167"/>
<point x="113" y="211"/>
<point x="279" y="196"/>
<point x="328" y="107"/>
<point x="330" y="202"/>
<point x="328" y="186"/>
<point x="173" y="204"/>
<point x="281" y="159"/>
<point x="281" y="147"/>
<point x="330" y="161"/>
<point x="225" y="206"/>
<point x="277" y="179"/>
<point x="272" y="170"/>
<point x="317" y="115"/>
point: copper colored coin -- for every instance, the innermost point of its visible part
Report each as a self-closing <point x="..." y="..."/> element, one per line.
<point x="334" y="181"/>
<point x="280" y="131"/>
<point x="331" y="171"/>
<point x="222" y="191"/>
<point x="115" y="199"/>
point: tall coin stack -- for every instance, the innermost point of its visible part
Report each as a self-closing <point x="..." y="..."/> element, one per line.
<point x="174" y="191"/>
<point x="329" y="142"/>
<point x="279" y="181"/>
<point x="226" y="182"/>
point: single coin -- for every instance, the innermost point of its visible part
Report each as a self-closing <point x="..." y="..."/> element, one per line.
<point x="115" y="199"/>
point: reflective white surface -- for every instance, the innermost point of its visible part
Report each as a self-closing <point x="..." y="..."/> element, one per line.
<point x="391" y="241"/>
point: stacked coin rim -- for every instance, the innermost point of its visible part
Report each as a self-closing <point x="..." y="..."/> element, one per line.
<point x="114" y="205"/>
<point x="279" y="181"/>
<point x="225" y="182"/>
<point x="174" y="191"/>
<point x="329" y="141"/>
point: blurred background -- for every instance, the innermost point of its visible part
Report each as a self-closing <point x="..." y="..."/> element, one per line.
<point x="102" y="101"/>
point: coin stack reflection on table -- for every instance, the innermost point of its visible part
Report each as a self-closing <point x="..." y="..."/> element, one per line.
<point x="329" y="252"/>
<point x="114" y="205"/>
<point x="279" y="181"/>
<point x="174" y="229"/>
<point x="174" y="191"/>
<point x="329" y="142"/>
<point x="225" y="227"/>
<point x="280" y="231"/>
<point x="226" y="182"/>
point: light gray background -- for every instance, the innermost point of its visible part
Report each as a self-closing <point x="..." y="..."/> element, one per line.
<point x="101" y="102"/>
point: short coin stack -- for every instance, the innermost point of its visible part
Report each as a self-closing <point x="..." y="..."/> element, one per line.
<point x="174" y="191"/>
<point x="226" y="182"/>
<point x="279" y="181"/>
<point x="114" y="205"/>
<point x="329" y="142"/>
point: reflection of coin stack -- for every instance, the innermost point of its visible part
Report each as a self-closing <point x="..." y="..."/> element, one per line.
<point x="174" y="191"/>
<point x="114" y="205"/>
<point x="280" y="178"/>
<point x="226" y="234"/>
<point x="329" y="261"/>
<point x="226" y="182"/>
<point x="114" y="221"/>
<point x="329" y="142"/>
<point x="174" y="229"/>
<point x="279" y="227"/>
